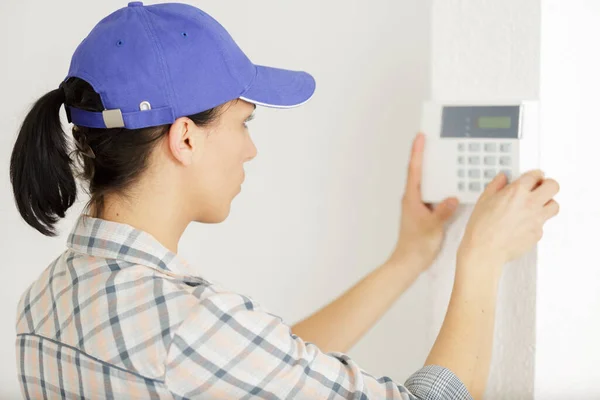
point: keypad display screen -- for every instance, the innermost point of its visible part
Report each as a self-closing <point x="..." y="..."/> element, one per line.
<point x="496" y="122"/>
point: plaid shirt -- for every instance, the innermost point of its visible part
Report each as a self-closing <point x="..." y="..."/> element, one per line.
<point x="118" y="316"/>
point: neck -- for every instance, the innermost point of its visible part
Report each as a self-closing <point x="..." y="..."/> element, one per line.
<point x="151" y="214"/>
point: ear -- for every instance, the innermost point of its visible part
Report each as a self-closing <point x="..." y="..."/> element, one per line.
<point x="184" y="139"/>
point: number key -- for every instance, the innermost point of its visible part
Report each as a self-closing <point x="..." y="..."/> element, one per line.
<point x="490" y="147"/>
<point x="474" y="147"/>
<point x="489" y="160"/>
<point x="475" y="187"/>
<point x="474" y="173"/>
<point x="505" y="161"/>
<point x="474" y="160"/>
<point x="489" y="173"/>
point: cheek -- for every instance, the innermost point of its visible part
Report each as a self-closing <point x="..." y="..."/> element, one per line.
<point x="220" y="165"/>
<point x="226" y="159"/>
<point x="229" y="151"/>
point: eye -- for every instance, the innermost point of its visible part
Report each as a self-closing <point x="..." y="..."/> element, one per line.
<point x="250" y="118"/>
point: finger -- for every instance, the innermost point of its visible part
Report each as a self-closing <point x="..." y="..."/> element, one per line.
<point x="546" y="191"/>
<point x="531" y="179"/>
<point x="551" y="209"/>
<point x="415" y="166"/>
<point x="497" y="184"/>
<point x="446" y="209"/>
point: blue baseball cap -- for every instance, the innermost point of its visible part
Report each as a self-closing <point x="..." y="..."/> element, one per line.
<point x="153" y="64"/>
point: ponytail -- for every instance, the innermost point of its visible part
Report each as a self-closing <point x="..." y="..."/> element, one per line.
<point x="108" y="161"/>
<point x="40" y="167"/>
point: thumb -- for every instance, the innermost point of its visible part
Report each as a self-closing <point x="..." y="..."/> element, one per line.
<point x="446" y="209"/>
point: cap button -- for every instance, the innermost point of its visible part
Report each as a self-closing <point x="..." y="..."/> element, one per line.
<point x="135" y="4"/>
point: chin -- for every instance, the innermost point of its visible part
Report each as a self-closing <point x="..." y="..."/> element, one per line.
<point x="215" y="217"/>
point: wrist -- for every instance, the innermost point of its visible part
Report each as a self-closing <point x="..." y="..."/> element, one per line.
<point x="408" y="260"/>
<point x="478" y="266"/>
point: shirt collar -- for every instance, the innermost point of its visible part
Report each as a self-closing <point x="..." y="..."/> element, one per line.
<point x="113" y="240"/>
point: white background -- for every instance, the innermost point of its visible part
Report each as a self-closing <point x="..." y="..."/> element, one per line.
<point x="489" y="50"/>
<point x="568" y="298"/>
<point x="320" y="206"/>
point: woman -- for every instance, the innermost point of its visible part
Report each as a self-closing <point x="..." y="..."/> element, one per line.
<point x="159" y="97"/>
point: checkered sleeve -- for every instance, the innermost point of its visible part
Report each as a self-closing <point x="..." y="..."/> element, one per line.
<point x="230" y="348"/>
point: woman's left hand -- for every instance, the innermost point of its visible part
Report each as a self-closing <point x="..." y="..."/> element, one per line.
<point x="422" y="226"/>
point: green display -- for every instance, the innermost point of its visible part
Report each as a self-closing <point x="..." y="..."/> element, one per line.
<point x="494" y="122"/>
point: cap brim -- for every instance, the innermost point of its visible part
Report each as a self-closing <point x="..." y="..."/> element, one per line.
<point x="280" y="88"/>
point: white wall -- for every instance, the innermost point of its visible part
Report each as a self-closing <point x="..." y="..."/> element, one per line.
<point x="568" y="299"/>
<point x="320" y="207"/>
<point x="546" y="339"/>
<point x="488" y="50"/>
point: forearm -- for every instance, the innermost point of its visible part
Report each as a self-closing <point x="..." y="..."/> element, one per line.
<point x="339" y="325"/>
<point x="464" y="344"/>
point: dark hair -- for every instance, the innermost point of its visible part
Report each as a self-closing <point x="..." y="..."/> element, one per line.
<point x="43" y="167"/>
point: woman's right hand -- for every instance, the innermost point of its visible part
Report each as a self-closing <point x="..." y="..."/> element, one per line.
<point x="508" y="220"/>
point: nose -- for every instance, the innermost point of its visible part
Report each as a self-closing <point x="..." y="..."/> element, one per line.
<point x="252" y="151"/>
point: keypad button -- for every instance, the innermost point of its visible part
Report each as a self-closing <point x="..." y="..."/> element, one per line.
<point x="461" y="160"/>
<point x="505" y="148"/>
<point x="474" y="160"/>
<point x="508" y="173"/>
<point x="490" y="147"/>
<point x="505" y="161"/>
<point x="474" y="147"/>
<point x="474" y="173"/>
<point x="461" y="173"/>
<point x="489" y="173"/>
<point x="461" y="186"/>
<point x="461" y="147"/>
<point x="489" y="160"/>
<point x="475" y="187"/>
